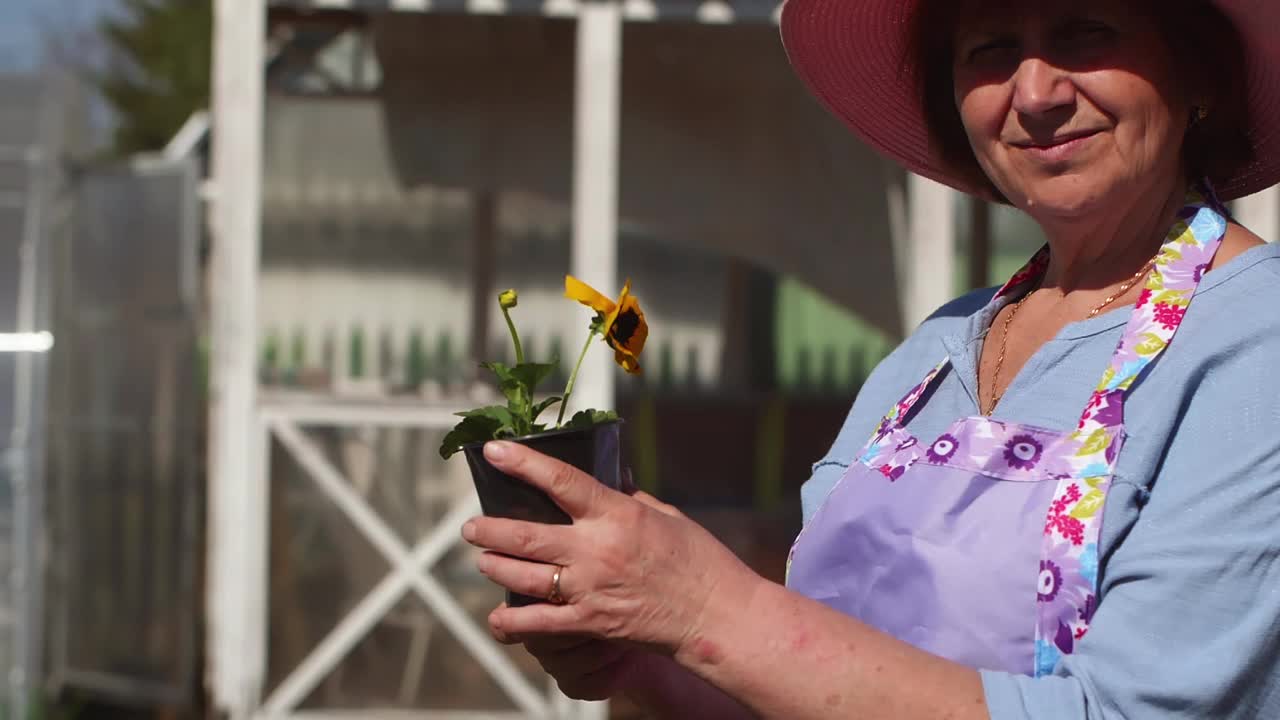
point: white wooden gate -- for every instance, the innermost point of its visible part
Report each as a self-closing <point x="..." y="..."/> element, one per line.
<point x="286" y="420"/>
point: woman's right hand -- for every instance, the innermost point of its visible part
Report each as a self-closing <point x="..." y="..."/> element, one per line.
<point x="585" y="668"/>
<point x="592" y="669"/>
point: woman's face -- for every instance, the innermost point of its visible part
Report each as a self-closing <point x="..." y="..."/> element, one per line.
<point x="1069" y="103"/>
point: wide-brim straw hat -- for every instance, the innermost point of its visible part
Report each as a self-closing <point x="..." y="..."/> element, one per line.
<point x="855" y="56"/>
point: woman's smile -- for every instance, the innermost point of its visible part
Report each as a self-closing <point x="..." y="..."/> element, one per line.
<point x="1056" y="150"/>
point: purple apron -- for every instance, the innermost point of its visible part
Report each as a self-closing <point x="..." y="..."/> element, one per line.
<point x="981" y="545"/>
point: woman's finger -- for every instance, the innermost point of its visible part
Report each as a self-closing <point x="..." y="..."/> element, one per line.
<point x="498" y="634"/>
<point x="577" y="493"/>
<point x="548" y="644"/>
<point x="518" y="538"/>
<point x="582" y="660"/>
<point x="646" y="499"/>
<point x="601" y="684"/>
<point x="534" y="579"/>
<point x="540" y="619"/>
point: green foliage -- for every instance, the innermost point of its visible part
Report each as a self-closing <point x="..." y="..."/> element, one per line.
<point x="386" y="355"/>
<point x="355" y="353"/>
<point x="443" y="363"/>
<point x="328" y="352"/>
<point x="477" y="428"/>
<point x="298" y="351"/>
<point x="770" y="446"/>
<point x="666" y="366"/>
<point x="159" y="69"/>
<point x="416" y="368"/>
<point x="584" y="419"/>
<point x="271" y="353"/>
<point x="518" y="418"/>
<point x="643" y="442"/>
<point x="519" y="385"/>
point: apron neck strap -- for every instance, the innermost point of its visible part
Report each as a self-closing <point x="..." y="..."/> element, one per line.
<point x="1184" y="257"/>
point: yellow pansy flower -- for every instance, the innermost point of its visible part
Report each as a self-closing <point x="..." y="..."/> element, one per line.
<point x="622" y="323"/>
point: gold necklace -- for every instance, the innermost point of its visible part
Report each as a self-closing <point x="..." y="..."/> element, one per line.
<point x="1123" y="288"/>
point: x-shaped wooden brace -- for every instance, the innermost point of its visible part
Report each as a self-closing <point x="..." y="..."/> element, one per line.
<point x="408" y="570"/>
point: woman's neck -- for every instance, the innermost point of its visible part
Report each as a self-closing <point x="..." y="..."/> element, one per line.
<point x="1102" y="249"/>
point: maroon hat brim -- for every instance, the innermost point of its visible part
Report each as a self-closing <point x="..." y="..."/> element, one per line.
<point x="855" y="57"/>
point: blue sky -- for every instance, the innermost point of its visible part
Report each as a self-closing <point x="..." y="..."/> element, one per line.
<point x="24" y="25"/>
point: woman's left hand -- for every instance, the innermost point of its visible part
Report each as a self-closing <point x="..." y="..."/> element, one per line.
<point x="632" y="569"/>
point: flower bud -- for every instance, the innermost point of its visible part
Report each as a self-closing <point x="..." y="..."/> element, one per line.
<point x="508" y="299"/>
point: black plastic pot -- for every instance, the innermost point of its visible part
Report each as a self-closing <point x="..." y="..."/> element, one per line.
<point x="595" y="451"/>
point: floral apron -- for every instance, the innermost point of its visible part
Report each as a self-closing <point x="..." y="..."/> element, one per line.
<point x="982" y="545"/>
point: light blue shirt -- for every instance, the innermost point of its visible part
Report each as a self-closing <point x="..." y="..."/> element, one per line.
<point x="1188" y="624"/>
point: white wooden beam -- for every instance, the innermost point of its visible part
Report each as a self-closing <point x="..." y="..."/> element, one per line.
<point x="1260" y="213"/>
<point x="597" y="115"/>
<point x="927" y="265"/>
<point x="595" y="180"/>
<point x="238" y="497"/>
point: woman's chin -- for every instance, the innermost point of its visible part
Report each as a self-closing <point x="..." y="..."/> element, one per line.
<point x="1061" y="198"/>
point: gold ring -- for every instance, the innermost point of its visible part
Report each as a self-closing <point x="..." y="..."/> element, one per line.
<point x="555" y="598"/>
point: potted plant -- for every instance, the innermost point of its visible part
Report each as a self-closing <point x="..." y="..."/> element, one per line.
<point x="589" y="440"/>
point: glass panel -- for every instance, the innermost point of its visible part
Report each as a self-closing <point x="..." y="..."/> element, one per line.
<point x="321" y="566"/>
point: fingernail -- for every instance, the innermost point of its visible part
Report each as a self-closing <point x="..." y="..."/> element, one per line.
<point x="495" y="451"/>
<point x="469" y="531"/>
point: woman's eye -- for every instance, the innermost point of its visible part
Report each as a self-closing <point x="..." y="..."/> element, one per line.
<point x="991" y="49"/>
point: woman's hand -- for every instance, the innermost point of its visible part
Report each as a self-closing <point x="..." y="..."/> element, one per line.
<point x="633" y="570"/>
<point x="585" y="668"/>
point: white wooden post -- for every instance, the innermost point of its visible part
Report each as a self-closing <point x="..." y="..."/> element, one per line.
<point x="237" y="497"/>
<point x="595" y="195"/>
<point x="927" y="268"/>
<point x="595" y="178"/>
<point x="1260" y="213"/>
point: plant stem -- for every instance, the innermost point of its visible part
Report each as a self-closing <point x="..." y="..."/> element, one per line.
<point x="515" y="336"/>
<point x="568" y="389"/>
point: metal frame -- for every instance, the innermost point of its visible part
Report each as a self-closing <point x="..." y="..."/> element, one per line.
<point x="24" y="460"/>
<point x="62" y="671"/>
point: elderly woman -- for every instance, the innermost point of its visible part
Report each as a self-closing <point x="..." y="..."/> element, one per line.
<point x="1069" y="504"/>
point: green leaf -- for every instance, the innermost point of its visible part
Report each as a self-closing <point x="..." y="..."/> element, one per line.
<point x="1089" y="505"/>
<point x="496" y="412"/>
<point x="531" y="374"/>
<point x="590" y="418"/>
<point x="517" y="393"/>
<point x="542" y="406"/>
<point x="475" y="428"/>
<point x="518" y="384"/>
<point x="502" y="371"/>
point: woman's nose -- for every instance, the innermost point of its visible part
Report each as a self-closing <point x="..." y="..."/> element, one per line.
<point x="1039" y="87"/>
